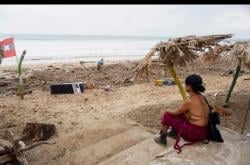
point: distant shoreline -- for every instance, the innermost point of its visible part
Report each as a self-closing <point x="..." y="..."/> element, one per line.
<point x="68" y="63"/>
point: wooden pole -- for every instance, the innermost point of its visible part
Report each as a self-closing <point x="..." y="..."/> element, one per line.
<point x="236" y="75"/>
<point x="177" y="81"/>
<point x="19" y="72"/>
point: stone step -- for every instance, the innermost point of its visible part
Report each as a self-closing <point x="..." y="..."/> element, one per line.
<point x="233" y="151"/>
<point x="75" y="140"/>
<point x="141" y="153"/>
<point x="105" y="148"/>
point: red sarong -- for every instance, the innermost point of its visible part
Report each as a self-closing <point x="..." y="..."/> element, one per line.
<point x="185" y="129"/>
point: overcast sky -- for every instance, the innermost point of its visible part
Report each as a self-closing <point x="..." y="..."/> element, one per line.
<point x="139" y="20"/>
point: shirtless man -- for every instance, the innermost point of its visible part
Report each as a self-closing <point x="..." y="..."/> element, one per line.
<point x="190" y="120"/>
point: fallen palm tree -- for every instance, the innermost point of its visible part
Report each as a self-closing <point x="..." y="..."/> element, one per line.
<point x="179" y="52"/>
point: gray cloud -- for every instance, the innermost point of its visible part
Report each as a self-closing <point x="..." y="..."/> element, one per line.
<point x="149" y="20"/>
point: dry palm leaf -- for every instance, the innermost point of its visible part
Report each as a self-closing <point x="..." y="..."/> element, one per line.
<point x="239" y="50"/>
<point x="179" y="51"/>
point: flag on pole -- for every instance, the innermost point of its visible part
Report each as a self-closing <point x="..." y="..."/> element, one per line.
<point x="7" y="48"/>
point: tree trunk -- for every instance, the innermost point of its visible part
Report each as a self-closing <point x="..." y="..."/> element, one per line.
<point x="236" y="75"/>
<point x="177" y="81"/>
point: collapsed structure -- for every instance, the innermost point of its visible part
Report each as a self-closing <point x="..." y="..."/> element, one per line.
<point x="179" y="51"/>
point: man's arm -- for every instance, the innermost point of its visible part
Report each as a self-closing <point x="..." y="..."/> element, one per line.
<point x="182" y="109"/>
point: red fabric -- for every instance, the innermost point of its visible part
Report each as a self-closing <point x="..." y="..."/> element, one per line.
<point x="185" y="129"/>
<point x="8" y="48"/>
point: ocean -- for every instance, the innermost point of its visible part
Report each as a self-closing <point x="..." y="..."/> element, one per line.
<point x="44" y="49"/>
<point x="74" y="48"/>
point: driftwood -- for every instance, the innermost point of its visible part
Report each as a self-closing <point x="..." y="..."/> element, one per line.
<point x="13" y="151"/>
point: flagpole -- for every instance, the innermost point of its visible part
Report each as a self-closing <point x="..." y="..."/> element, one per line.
<point x="17" y="63"/>
<point x="16" y="59"/>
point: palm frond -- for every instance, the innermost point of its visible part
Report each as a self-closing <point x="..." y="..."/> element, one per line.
<point x="239" y="50"/>
<point x="180" y="51"/>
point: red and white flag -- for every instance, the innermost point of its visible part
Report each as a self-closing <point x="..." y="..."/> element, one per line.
<point x="8" y="48"/>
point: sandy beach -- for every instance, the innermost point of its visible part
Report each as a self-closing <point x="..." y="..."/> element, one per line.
<point x="84" y="119"/>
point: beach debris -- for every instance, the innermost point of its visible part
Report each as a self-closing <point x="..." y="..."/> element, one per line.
<point x="4" y="83"/>
<point x="108" y="88"/>
<point x="13" y="151"/>
<point x="228" y="72"/>
<point x="90" y="85"/>
<point x="168" y="82"/>
<point x="158" y="82"/>
<point x="213" y="54"/>
<point x="38" y="131"/>
<point x="178" y="51"/>
<point x="165" y="82"/>
<point x="67" y="88"/>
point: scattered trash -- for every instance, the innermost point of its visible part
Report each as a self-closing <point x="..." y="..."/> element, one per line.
<point x="38" y="131"/>
<point x="108" y="88"/>
<point x="165" y="82"/>
<point x="159" y="156"/>
<point x="67" y="88"/>
<point x="219" y="93"/>
<point x="90" y="85"/>
<point x="158" y="82"/>
<point x="4" y="83"/>
<point x="232" y="72"/>
<point x="168" y="82"/>
<point x="14" y="150"/>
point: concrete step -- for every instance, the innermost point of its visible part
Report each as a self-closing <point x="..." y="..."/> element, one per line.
<point x="233" y="151"/>
<point x="141" y="153"/>
<point x="105" y="148"/>
<point x="75" y="140"/>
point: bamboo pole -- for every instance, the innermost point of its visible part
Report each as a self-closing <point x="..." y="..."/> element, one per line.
<point x="236" y="75"/>
<point x="19" y="72"/>
<point x="177" y="81"/>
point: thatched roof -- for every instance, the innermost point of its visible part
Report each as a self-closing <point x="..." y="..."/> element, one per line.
<point x="214" y="53"/>
<point x="179" y="51"/>
<point x="239" y="50"/>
